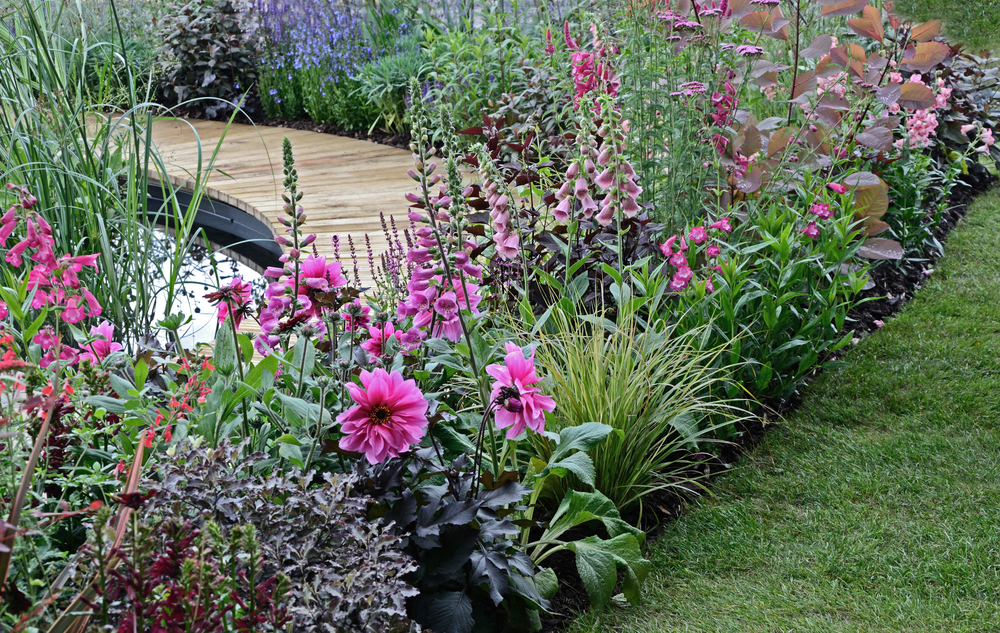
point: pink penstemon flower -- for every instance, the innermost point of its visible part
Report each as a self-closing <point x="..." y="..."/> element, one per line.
<point x="389" y="417"/>
<point x="519" y="404"/>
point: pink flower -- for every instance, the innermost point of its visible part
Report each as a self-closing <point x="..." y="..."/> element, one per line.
<point x="362" y="321"/>
<point x="665" y="250"/>
<point x="987" y="136"/>
<point x="315" y="273"/>
<point x="878" y="323"/>
<point x="811" y="230"/>
<point x="837" y="187"/>
<point x="681" y="278"/>
<point x="965" y="129"/>
<point x="679" y="260"/>
<point x="46" y="338"/>
<point x="374" y="345"/>
<point x="238" y="292"/>
<point x="712" y="252"/>
<point x="722" y="225"/>
<point x="520" y="404"/>
<point x="389" y="417"/>
<point x="698" y="235"/>
<point x="821" y="210"/>
<point x="103" y="346"/>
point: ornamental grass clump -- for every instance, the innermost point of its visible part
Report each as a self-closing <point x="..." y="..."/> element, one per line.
<point x="654" y="386"/>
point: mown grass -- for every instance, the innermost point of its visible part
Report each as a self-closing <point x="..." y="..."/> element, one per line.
<point x="874" y="507"/>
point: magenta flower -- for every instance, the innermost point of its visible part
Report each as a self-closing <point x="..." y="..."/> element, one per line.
<point x="390" y="416"/>
<point x="99" y="349"/>
<point x="316" y="274"/>
<point x="837" y="187"/>
<point x="722" y="225"/>
<point x="681" y="278"/>
<point x="712" y="251"/>
<point x="238" y="292"/>
<point x="362" y="321"/>
<point x="520" y="404"/>
<point x="679" y="260"/>
<point x="821" y="210"/>
<point x="698" y="235"/>
<point x="811" y="230"/>
<point x="374" y="345"/>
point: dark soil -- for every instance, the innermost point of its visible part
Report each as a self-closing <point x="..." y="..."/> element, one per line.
<point x="894" y="285"/>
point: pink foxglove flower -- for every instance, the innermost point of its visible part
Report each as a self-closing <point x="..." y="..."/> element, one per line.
<point x="389" y="417"/>
<point x="99" y="349"/>
<point x="520" y="404"/>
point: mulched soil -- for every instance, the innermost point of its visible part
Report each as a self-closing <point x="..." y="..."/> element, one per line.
<point x="894" y="285"/>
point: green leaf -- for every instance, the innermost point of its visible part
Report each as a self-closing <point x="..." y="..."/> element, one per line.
<point x="292" y="453"/>
<point x="141" y="372"/>
<point x="246" y="346"/>
<point x="577" y="288"/>
<point x="288" y="438"/>
<point x="578" y="508"/>
<point x="598" y="561"/>
<point x="225" y="349"/>
<point x="547" y="583"/>
<point x="579" y="464"/>
<point x="583" y="437"/>
<point x="112" y="405"/>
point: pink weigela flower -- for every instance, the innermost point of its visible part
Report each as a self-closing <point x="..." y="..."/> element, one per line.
<point x="520" y="405"/>
<point x="389" y="417"/>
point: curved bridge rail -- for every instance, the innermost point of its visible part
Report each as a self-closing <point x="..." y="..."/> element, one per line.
<point x="347" y="183"/>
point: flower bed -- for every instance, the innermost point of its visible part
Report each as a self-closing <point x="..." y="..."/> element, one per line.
<point x="604" y="284"/>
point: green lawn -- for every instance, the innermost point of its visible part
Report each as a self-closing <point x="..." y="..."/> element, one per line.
<point x="874" y="507"/>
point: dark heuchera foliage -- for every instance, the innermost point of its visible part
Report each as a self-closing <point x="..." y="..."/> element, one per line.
<point x="345" y="574"/>
<point x="468" y="563"/>
<point x="205" y="54"/>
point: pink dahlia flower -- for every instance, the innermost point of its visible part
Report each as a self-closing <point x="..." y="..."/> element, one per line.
<point x="520" y="404"/>
<point x="96" y="351"/>
<point x="390" y="415"/>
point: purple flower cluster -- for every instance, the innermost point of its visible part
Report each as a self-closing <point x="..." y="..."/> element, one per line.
<point x="314" y="34"/>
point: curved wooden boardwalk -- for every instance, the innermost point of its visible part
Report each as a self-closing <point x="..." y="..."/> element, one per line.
<point x="346" y="182"/>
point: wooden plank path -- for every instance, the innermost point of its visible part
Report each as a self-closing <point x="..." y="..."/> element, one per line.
<point x="346" y="182"/>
